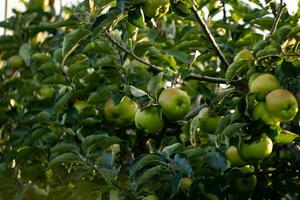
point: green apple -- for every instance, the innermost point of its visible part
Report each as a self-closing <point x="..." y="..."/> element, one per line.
<point x="252" y="78"/>
<point x="15" y="62"/>
<point x="79" y="105"/>
<point x="156" y="8"/>
<point x="121" y="114"/>
<point x="282" y="105"/>
<point x="36" y="5"/>
<point x="257" y="150"/>
<point x="150" y="197"/>
<point x="263" y="84"/>
<point x="208" y="123"/>
<point x="260" y="112"/>
<point x="45" y="92"/>
<point x="185" y="183"/>
<point x="150" y="120"/>
<point x="175" y="103"/>
<point x="234" y="157"/>
<point x="245" y="184"/>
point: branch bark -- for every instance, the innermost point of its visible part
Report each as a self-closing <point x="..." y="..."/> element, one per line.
<point x="210" y="37"/>
<point x="276" y="20"/>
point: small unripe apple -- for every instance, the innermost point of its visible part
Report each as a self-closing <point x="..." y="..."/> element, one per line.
<point x="149" y="120"/>
<point x="282" y="105"/>
<point x="175" y="103"/>
<point x="80" y="105"/>
<point x="208" y="123"/>
<point x="150" y="197"/>
<point x="121" y="114"/>
<point x="260" y="112"/>
<point x="245" y="184"/>
<point x="257" y="150"/>
<point x="15" y="62"/>
<point x="46" y="92"/>
<point x="185" y="183"/>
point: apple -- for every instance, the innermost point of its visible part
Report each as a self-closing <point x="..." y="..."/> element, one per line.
<point x="185" y="183"/>
<point x="150" y="197"/>
<point x="252" y="78"/>
<point x="36" y="5"/>
<point x="121" y="114"/>
<point x="234" y="157"/>
<point x="150" y="119"/>
<point x="282" y="105"/>
<point x="245" y="184"/>
<point x="41" y="57"/>
<point x="45" y="92"/>
<point x="257" y="150"/>
<point x="263" y="84"/>
<point x="15" y="62"/>
<point x="156" y="8"/>
<point x="175" y="103"/>
<point x="260" y="112"/>
<point x="79" y="105"/>
<point x="208" y="123"/>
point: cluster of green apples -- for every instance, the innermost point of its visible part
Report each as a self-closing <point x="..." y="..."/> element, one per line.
<point x="174" y="105"/>
<point x="274" y="104"/>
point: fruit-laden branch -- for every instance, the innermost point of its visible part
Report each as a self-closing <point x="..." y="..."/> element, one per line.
<point x="159" y="69"/>
<point x="210" y="37"/>
<point x="276" y="20"/>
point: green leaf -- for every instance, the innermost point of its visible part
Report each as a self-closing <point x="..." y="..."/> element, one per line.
<point x="144" y="161"/>
<point x="137" y="92"/>
<point x="72" y="40"/>
<point x="285" y="137"/>
<point x="136" y="17"/>
<point x="236" y="68"/>
<point x="64" y="147"/>
<point x="64" y="158"/>
<point x="148" y="174"/>
<point x="232" y="129"/>
<point x="169" y="150"/>
<point x="100" y="141"/>
<point x="154" y="84"/>
<point x="25" y="53"/>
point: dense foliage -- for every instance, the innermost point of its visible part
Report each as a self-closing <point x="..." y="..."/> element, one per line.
<point x="85" y="112"/>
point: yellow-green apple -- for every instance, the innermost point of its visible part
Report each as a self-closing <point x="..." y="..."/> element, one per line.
<point x="185" y="183"/>
<point x="15" y="62"/>
<point x="150" y="197"/>
<point x="79" y="105"/>
<point x="45" y="92"/>
<point x="282" y="105"/>
<point x="208" y="123"/>
<point x="245" y="184"/>
<point x="175" y="103"/>
<point x="263" y="84"/>
<point x="149" y="120"/>
<point x="121" y="114"/>
<point x="260" y="112"/>
<point x="257" y="150"/>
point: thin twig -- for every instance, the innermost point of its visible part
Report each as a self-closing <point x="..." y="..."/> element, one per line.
<point x="194" y="112"/>
<point x="276" y="20"/>
<point x="130" y="53"/>
<point x="210" y="37"/>
<point x="224" y="11"/>
<point x="159" y="69"/>
<point x="5" y="14"/>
